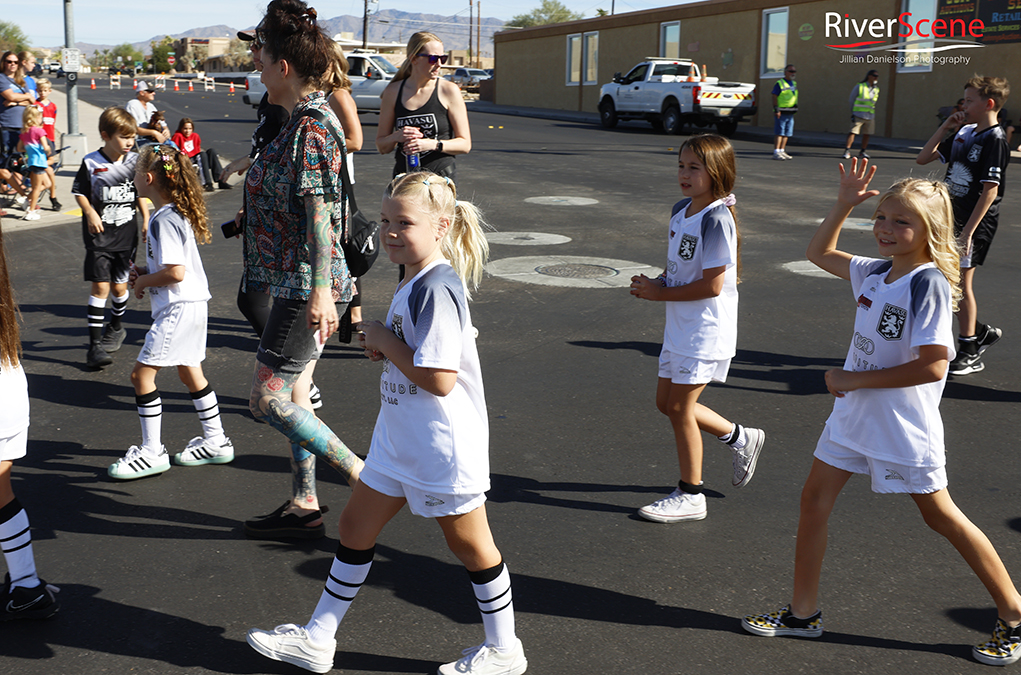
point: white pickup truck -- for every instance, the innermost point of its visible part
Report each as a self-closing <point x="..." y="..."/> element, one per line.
<point x="369" y="73"/>
<point x="672" y="92"/>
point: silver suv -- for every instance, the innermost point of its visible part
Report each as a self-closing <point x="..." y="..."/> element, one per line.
<point x="469" y="78"/>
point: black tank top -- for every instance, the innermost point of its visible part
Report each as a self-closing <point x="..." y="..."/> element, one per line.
<point x="432" y="119"/>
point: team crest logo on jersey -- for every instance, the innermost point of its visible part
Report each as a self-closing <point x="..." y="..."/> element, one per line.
<point x="398" y="327"/>
<point x="671" y="266"/>
<point x="974" y="153"/>
<point x="687" y="249"/>
<point x="891" y="323"/>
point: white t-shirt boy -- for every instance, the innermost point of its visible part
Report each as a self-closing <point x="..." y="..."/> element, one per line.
<point x="702" y="329"/>
<point x="900" y="425"/>
<point x="171" y="241"/>
<point x="433" y="443"/>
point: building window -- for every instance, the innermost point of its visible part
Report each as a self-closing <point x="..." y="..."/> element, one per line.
<point x="774" y="42"/>
<point x="591" y="58"/>
<point x="582" y="58"/>
<point x="670" y="40"/>
<point x="917" y="61"/>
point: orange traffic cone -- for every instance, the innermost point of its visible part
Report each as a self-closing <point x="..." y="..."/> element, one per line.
<point x="704" y="74"/>
<point x="232" y="87"/>
<point x="93" y="85"/>
<point x="176" y="87"/>
<point x="134" y="84"/>
<point x="190" y="88"/>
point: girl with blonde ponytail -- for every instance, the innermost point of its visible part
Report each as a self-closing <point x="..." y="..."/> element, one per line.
<point x="430" y="447"/>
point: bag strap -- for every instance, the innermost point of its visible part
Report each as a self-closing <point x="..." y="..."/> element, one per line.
<point x="345" y="177"/>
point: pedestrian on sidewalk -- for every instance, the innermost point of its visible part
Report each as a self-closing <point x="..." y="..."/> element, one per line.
<point x="863" y="112"/>
<point x="785" y="106"/>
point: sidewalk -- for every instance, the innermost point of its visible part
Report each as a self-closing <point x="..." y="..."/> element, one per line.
<point x="745" y="132"/>
<point x="88" y="125"/>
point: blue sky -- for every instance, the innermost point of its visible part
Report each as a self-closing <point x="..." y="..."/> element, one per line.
<point x="115" y="21"/>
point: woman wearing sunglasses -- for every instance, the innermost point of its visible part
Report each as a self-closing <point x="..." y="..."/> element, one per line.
<point x="14" y="98"/>
<point x="422" y="114"/>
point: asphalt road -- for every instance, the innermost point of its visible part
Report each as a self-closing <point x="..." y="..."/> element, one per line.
<point x="157" y="576"/>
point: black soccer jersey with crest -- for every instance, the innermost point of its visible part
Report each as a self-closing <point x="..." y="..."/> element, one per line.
<point x="110" y="188"/>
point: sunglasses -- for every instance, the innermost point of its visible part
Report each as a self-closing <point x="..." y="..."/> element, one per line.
<point x="792" y="72"/>
<point x="434" y="58"/>
<point x="15" y="61"/>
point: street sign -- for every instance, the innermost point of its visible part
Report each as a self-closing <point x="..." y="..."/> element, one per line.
<point x="70" y="60"/>
<point x="171" y="59"/>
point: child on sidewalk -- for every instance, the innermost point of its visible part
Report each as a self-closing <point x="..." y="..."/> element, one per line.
<point x="104" y="188"/>
<point x="179" y="293"/>
<point x="885" y="421"/>
<point x="24" y="595"/>
<point x="49" y="109"/>
<point x="33" y="143"/>
<point x="430" y="445"/>
<point x="699" y="288"/>
<point x="976" y="157"/>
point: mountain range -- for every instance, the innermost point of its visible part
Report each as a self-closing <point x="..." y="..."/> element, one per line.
<point x="385" y="26"/>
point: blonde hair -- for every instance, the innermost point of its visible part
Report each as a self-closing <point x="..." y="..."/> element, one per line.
<point x="177" y="182"/>
<point x="995" y="88"/>
<point x="41" y="82"/>
<point x="416" y="44"/>
<point x="930" y="201"/>
<point x="717" y="156"/>
<point x="338" y="77"/>
<point x="464" y="245"/>
<point x="33" y="118"/>
<point x="10" y="337"/>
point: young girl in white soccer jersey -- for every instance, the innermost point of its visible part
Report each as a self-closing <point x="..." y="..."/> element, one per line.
<point x="430" y="447"/>
<point x="178" y="293"/>
<point x="699" y="288"/>
<point x="885" y="421"/>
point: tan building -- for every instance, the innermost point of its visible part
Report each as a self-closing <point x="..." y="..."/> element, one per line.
<point x="562" y="66"/>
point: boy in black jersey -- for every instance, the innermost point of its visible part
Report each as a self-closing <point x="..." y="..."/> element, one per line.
<point x="105" y="190"/>
<point x="976" y="158"/>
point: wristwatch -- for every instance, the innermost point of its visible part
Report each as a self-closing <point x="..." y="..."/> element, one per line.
<point x="439" y="146"/>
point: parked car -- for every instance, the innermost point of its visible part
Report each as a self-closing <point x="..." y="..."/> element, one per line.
<point x="369" y="73"/>
<point x="670" y="93"/>
<point x="469" y="78"/>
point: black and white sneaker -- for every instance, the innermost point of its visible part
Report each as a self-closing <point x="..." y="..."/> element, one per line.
<point x="28" y="603"/>
<point x="139" y="463"/>
<point x="201" y="451"/>
<point x="988" y="337"/>
<point x="966" y="364"/>
<point x="112" y="339"/>
<point x="315" y="396"/>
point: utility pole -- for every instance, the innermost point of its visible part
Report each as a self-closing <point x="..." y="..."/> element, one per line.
<point x="73" y="138"/>
<point x="365" y="26"/>
<point x="470" y="22"/>
<point x="478" y="36"/>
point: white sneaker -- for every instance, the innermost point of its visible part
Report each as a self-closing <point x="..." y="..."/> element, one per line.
<point x="139" y="463"/>
<point x="785" y="155"/>
<point x="779" y="156"/>
<point x="21" y="201"/>
<point x="674" y="508"/>
<point x="484" y="660"/>
<point x="200" y="451"/>
<point x="746" y="458"/>
<point x="32" y="215"/>
<point x="847" y="154"/>
<point x="290" y="643"/>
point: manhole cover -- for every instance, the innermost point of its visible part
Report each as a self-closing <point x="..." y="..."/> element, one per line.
<point x="526" y="238"/>
<point x="569" y="271"/>
<point x="562" y="201"/>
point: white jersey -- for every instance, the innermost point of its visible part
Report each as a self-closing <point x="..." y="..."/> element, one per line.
<point x="13" y="400"/>
<point x="901" y="424"/>
<point x="171" y="241"/>
<point x="702" y="329"/>
<point x="431" y="442"/>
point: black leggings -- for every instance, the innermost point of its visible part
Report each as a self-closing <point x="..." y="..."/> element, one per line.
<point x="255" y="305"/>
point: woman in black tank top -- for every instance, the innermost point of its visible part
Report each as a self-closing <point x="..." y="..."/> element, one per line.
<point x="423" y="114"/>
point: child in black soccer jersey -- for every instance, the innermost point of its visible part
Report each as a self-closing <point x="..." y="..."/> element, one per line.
<point x="105" y="190"/>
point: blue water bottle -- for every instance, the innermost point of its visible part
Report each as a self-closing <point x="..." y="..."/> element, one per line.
<point x="414" y="163"/>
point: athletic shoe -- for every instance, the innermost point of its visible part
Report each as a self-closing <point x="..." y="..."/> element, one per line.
<point x="280" y="525"/>
<point x="988" y="337"/>
<point x="782" y="622"/>
<point x="847" y="154"/>
<point x="20" y="201"/>
<point x="290" y="643"/>
<point x="54" y="204"/>
<point x="315" y="396"/>
<point x="747" y="457"/>
<point x="779" y="156"/>
<point x="97" y="357"/>
<point x="1003" y="648"/>
<point x="139" y="463"/>
<point x="484" y="660"/>
<point x="200" y="451"/>
<point x="864" y="155"/>
<point x="112" y="339"/>
<point x="32" y="215"/>
<point x="224" y="185"/>
<point x="785" y="155"/>
<point x="674" y="508"/>
<point x="28" y="603"/>
<point x="966" y="364"/>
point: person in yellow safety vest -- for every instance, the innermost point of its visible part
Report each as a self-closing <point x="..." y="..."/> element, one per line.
<point x="863" y="112"/>
<point x="785" y="104"/>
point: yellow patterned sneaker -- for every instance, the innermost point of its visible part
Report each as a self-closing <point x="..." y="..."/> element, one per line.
<point x="1003" y="648"/>
<point x="782" y="622"/>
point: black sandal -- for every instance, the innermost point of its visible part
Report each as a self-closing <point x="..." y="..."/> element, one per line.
<point x="278" y="525"/>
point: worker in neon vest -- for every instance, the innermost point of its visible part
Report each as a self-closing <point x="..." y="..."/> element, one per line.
<point x="785" y="104"/>
<point x="863" y="112"/>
